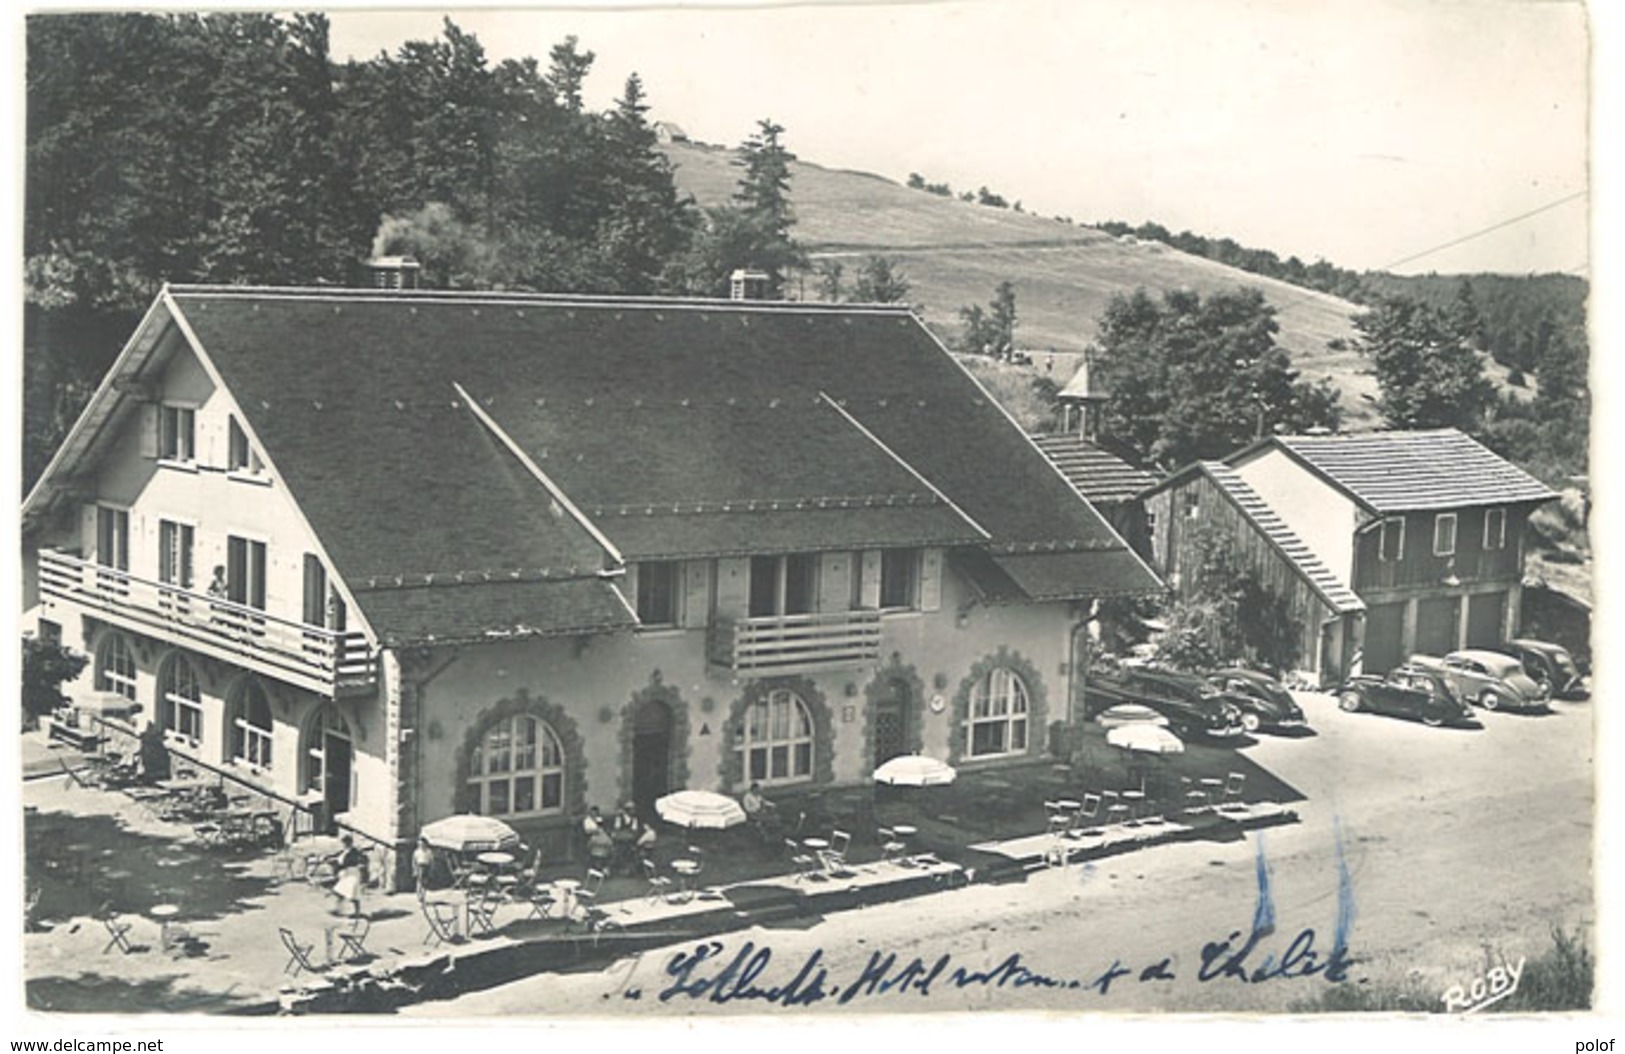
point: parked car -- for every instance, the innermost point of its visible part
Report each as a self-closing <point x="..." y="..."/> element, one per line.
<point x="1192" y="706"/>
<point x="1550" y="663"/>
<point x="1405" y="691"/>
<point x="1264" y="701"/>
<point x="1488" y="679"/>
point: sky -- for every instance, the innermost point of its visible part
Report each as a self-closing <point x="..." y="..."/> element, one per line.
<point x="1372" y="133"/>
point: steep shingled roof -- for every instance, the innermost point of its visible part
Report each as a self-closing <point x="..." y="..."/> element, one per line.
<point x="677" y="428"/>
<point x="1390" y="472"/>
<point x="1099" y="475"/>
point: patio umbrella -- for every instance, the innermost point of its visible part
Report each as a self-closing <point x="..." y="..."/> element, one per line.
<point x="1145" y="739"/>
<point x="913" y="770"/>
<point x="700" y="809"/>
<point x="466" y="833"/>
<point x="1129" y="714"/>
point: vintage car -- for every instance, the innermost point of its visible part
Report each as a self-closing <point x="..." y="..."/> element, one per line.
<point x="1405" y="691"/>
<point x="1264" y="702"/>
<point x="1192" y="706"/>
<point x="1550" y="663"/>
<point x="1488" y="679"/>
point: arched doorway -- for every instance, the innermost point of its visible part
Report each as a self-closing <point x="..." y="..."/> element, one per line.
<point x="651" y="755"/>
<point x="328" y="759"/>
<point x="891" y="716"/>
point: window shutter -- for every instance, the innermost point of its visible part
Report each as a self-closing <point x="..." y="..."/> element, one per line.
<point x="88" y="530"/>
<point x="930" y="579"/>
<point x="696" y="593"/>
<point x="869" y="589"/>
<point x="733" y="582"/>
<point x="149" y="429"/>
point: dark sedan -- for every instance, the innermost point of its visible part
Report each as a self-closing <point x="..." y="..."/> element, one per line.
<point x="1192" y="706"/>
<point x="1405" y="691"/>
<point x="1264" y="702"/>
<point x="1550" y="664"/>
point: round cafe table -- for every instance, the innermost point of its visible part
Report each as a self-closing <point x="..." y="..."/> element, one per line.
<point x="685" y="870"/>
<point x="496" y="859"/>
<point x="567" y="895"/>
<point x="815" y="843"/>
<point x="165" y="914"/>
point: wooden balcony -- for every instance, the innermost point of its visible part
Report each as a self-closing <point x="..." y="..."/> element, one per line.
<point x="783" y="644"/>
<point x="308" y="657"/>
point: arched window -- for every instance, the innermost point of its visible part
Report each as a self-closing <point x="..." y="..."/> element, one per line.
<point x="115" y="667"/>
<point x="997" y="723"/>
<point x="517" y="769"/>
<point x="180" y="701"/>
<point x="778" y="739"/>
<point x="251" y="724"/>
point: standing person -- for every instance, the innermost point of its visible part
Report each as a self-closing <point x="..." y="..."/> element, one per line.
<point x="351" y="865"/>
<point x="422" y="864"/>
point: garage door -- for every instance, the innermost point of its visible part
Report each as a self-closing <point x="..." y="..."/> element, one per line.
<point x="1438" y="621"/>
<point x="1384" y="649"/>
<point x="1484" y="613"/>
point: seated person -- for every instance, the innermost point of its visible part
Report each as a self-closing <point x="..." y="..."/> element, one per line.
<point x="762" y="814"/>
<point x="600" y="847"/>
<point x="630" y="836"/>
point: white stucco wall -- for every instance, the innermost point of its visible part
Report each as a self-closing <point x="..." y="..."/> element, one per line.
<point x="1320" y="514"/>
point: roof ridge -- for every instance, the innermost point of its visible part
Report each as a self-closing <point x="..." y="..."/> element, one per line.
<point x="468" y="296"/>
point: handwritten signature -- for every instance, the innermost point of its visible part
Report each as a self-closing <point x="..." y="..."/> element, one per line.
<point x="713" y="973"/>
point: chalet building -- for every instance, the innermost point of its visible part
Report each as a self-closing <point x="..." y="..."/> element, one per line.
<point x="392" y="555"/>
<point x="1424" y="529"/>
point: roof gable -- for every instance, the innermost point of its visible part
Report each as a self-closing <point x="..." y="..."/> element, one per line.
<point x="1099" y="475"/>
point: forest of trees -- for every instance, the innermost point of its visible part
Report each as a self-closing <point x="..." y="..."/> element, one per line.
<point x="232" y="148"/>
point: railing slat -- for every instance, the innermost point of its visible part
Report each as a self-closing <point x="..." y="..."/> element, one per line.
<point x="211" y="622"/>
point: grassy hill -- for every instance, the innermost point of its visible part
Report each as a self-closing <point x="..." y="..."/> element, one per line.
<point x="954" y="253"/>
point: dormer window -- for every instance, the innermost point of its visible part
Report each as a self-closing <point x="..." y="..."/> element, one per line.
<point x="177" y="433"/>
<point x="240" y="455"/>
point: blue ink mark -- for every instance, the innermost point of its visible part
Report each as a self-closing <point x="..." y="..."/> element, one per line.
<point x="1264" y="913"/>
<point x="1345" y="894"/>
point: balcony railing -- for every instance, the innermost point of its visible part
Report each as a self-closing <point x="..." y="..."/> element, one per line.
<point x="307" y="656"/>
<point x="796" y="643"/>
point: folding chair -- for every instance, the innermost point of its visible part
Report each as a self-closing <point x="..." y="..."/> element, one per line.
<point x="482" y="912"/>
<point x="353" y="941"/>
<point x="540" y="898"/>
<point x="117" y="932"/>
<point x="298" y="954"/>
<point x="806" y="866"/>
<point x="890" y="845"/>
<point x="586" y="897"/>
<point x="834" y="858"/>
<point x="1232" y="787"/>
<point x="441" y="916"/>
<point x="1116" y="811"/>
<point x="659" y="885"/>
<point x="1083" y="821"/>
<point x="1195" y="796"/>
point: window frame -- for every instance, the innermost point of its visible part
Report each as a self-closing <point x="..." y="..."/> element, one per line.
<point x="910" y="561"/>
<point x="1382" y="540"/>
<point x="1439" y="520"/>
<point x="113" y="532"/>
<point x="1497" y="540"/>
<point x="648" y="572"/>
<point x="177" y="433"/>
<point x="242" y="460"/>
<point x="1002" y="711"/>
<point x="171" y="532"/>
<point x="252" y="744"/>
<point x="780" y="582"/>
<point x="179" y="715"/>
<point x="111" y="678"/>
<point x="247" y="587"/>
<point x="548" y="776"/>
<point x="795" y="747"/>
